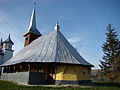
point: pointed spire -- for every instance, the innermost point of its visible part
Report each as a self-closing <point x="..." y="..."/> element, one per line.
<point x="9" y="37"/>
<point x="57" y="27"/>
<point x="32" y="26"/>
<point x="1" y="43"/>
<point x="8" y="40"/>
<point x="33" y="18"/>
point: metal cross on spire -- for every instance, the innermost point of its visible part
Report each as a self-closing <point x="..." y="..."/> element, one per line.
<point x="57" y="26"/>
<point x="34" y="3"/>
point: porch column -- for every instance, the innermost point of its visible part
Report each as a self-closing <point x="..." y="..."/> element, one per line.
<point x="29" y="67"/>
<point x="2" y="70"/>
<point x="20" y="68"/>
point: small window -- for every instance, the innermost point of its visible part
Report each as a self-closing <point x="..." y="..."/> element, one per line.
<point x="10" y="46"/>
<point x="83" y="73"/>
<point x="6" y="45"/>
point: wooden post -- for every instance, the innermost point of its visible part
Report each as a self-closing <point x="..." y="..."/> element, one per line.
<point x="2" y="69"/>
<point x="20" y="68"/>
<point x="14" y="70"/>
<point x="28" y="67"/>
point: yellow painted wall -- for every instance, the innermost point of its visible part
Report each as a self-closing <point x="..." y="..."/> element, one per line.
<point x="72" y="72"/>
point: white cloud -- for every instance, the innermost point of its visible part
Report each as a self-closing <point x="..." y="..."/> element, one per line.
<point x="74" y="40"/>
<point x="6" y="27"/>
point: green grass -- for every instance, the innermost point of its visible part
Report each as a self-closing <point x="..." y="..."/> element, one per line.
<point x="5" y="85"/>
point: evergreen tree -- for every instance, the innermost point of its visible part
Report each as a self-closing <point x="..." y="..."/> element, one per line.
<point x="111" y="58"/>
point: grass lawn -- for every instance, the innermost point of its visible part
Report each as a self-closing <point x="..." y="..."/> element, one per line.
<point x="4" y="85"/>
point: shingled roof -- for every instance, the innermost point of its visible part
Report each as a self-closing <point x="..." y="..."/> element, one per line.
<point x="50" y="48"/>
<point x="8" y="40"/>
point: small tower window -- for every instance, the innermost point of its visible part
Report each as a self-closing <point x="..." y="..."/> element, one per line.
<point x="5" y="46"/>
<point x="10" y="46"/>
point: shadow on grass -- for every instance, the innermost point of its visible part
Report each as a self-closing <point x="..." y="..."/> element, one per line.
<point x="108" y="84"/>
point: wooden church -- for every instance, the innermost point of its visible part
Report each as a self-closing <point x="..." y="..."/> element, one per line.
<point x="47" y="59"/>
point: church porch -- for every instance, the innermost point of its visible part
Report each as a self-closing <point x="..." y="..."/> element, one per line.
<point x="46" y="73"/>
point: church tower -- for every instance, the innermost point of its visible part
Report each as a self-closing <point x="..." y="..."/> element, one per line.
<point x="7" y="44"/>
<point x="7" y="49"/>
<point x="32" y="32"/>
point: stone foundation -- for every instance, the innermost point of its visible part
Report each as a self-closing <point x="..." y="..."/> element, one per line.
<point x="24" y="77"/>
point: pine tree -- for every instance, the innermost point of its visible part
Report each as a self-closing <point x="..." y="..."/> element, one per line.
<point x="111" y="58"/>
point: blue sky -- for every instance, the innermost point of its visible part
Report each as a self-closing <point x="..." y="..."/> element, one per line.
<point x="82" y="22"/>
